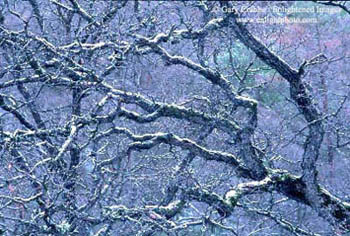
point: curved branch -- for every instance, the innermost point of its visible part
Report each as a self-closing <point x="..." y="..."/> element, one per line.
<point x="148" y="141"/>
<point x="315" y="197"/>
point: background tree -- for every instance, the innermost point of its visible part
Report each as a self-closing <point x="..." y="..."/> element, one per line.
<point x="173" y="118"/>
